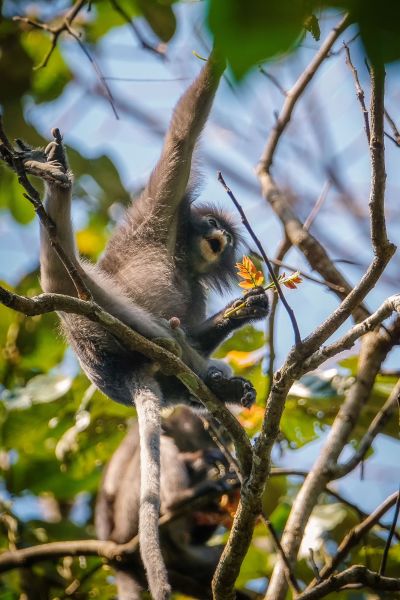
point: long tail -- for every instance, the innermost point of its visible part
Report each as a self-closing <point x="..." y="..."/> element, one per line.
<point x="148" y="410"/>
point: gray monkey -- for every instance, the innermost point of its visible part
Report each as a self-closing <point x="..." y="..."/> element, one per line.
<point x="185" y="248"/>
<point x="191" y="465"/>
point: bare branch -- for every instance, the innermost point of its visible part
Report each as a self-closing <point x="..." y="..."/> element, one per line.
<point x="160" y="49"/>
<point x="359" y="92"/>
<point x="317" y="207"/>
<point x="374" y="348"/>
<point x="273" y="79"/>
<point x="289" y="572"/>
<point x="388" y="307"/>
<point x="111" y="551"/>
<point x="295" y="92"/>
<point x="379" y="238"/>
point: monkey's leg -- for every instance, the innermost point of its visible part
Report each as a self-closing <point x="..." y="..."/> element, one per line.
<point x="210" y="334"/>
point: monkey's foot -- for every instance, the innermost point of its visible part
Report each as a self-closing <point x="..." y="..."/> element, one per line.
<point x="235" y="390"/>
<point x="49" y="164"/>
<point x="253" y="305"/>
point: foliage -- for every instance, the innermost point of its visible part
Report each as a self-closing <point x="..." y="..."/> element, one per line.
<point x="269" y="29"/>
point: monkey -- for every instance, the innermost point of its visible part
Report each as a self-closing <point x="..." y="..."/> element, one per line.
<point x="156" y="267"/>
<point x="191" y="465"/>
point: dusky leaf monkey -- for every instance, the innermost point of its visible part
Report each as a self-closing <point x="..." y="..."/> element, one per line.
<point x="191" y="465"/>
<point x="156" y="267"/>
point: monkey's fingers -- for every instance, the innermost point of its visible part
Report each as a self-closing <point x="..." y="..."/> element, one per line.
<point x="55" y="150"/>
<point x="52" y="172"/>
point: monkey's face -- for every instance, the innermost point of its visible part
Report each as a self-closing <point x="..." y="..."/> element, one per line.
<point x="214" y="242"/>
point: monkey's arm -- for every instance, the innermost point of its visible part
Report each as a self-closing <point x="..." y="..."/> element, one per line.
<point x="212" y="332"/>
<point x="168" y="182"/>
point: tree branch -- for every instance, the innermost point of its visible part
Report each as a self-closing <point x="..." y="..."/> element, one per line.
<point x="169" y="363"/>
<point x="357" y="574"/>
<point x="353" y="537"/>
<point x="66" y="27"/>
<point x="375" y="427"/>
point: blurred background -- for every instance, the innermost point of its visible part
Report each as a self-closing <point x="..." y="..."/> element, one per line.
<point x="112" y="105"/>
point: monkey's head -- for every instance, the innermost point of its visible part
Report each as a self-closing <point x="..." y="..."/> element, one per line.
<point x="214" y="239"/>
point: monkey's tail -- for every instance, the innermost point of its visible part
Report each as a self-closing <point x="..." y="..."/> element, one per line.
<point x="148" y="411"/>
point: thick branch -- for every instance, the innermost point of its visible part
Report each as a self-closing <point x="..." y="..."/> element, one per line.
<point x="168" y="362"/>
<point x="374" y="349"/>
<point x="347" y="341"/>
<point x="377" y="151"/>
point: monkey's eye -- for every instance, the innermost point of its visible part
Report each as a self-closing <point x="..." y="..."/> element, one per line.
<point x="213" y="222"/>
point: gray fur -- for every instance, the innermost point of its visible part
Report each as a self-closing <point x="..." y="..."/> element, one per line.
<point x="147" y="276"/>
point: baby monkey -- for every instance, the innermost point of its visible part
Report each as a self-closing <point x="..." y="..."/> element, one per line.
<point x="156" y="267"/>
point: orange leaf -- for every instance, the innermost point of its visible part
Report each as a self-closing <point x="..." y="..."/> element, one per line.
<point x="292" y="281"/>
<point x="248" y="271"/>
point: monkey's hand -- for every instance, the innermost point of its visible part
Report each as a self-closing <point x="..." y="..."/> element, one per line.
<point x="231" y="390"/>
<point x="49" y="164"/>
<point x="253" y="305"/>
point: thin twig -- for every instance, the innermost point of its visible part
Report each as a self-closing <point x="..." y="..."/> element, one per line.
<point x="265" y="258"/>
<point x="359" y="92"/>
<point x="273" y="79"/>
<point x="374" y="428"/>
<point x="314" y="565"/>
<point x="160" y="49"/>
<point x="283" y="248"/>
<point x="317" y="206"/>
<point x="295" y="92"/>
<point x="289" y="572"/>
<point x="66" y="27"/>
<point x="396" y="132"/>
<point x="216" y="437"/>
<point x="353" y="537"/>
<point x="382" y="568"/>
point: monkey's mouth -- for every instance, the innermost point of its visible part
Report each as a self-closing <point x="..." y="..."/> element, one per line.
<point x="215" y="244"/>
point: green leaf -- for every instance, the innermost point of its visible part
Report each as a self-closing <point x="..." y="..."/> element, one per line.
<point x="159" y="16"/>
<point x="47" y="82"/>
<point x="246" y="339"/>
<point x="265" y="29"/>
<point x="11" y="192"/>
